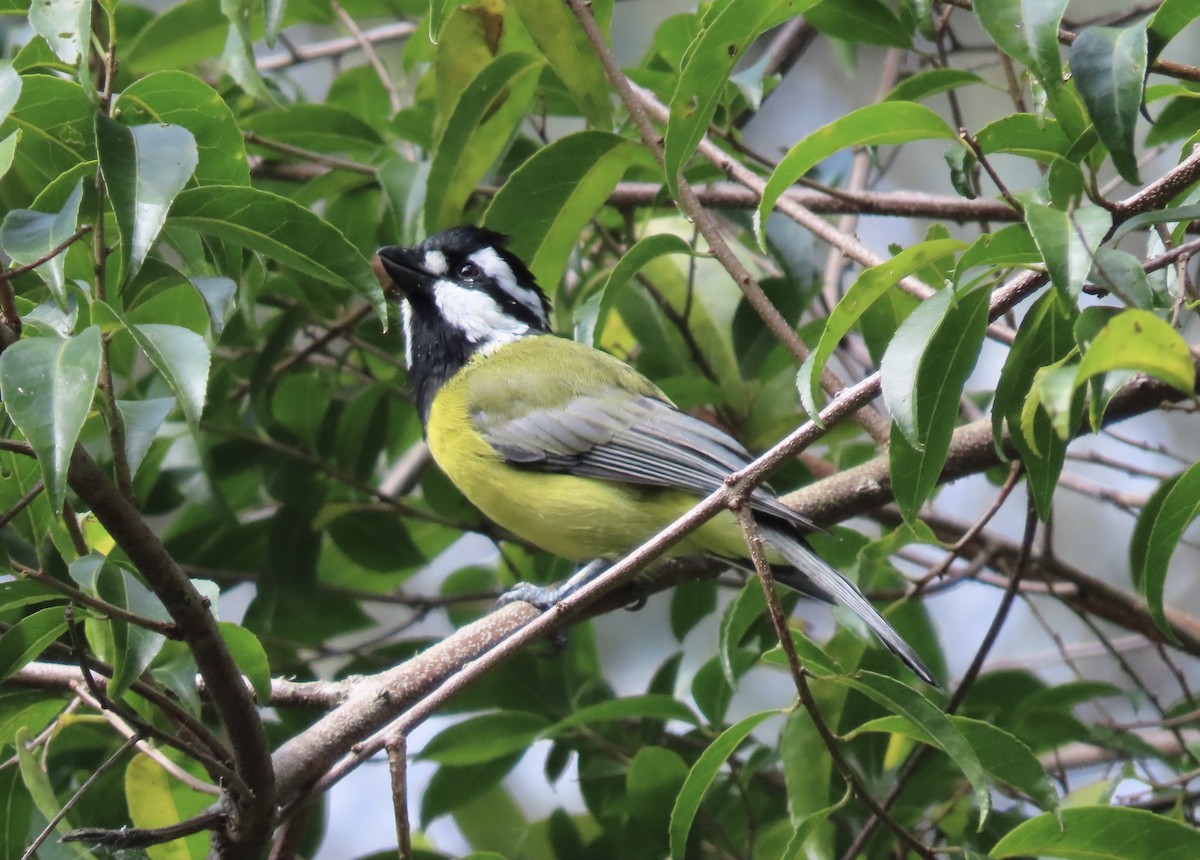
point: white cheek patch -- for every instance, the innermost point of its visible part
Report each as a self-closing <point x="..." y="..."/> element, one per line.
<point x="494" y="266"/>
<point x="476" y="315"/>
<point x="435" y="263"/>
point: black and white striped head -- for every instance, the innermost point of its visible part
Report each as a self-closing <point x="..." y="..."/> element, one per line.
<point x="463" y="293"/>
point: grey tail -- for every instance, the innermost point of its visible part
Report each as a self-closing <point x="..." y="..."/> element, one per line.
<point x="812" y="575"/>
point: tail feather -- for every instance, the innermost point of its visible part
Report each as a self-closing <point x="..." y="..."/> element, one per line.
<point x="812" y="575"/>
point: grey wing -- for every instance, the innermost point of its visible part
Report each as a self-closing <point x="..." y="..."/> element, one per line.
<point x="639" y="440"/>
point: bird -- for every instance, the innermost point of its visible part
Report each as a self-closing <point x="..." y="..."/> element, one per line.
<point x="566" y="446"/>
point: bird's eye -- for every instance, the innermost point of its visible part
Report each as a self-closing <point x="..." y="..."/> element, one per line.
<point x="469" y="271"/>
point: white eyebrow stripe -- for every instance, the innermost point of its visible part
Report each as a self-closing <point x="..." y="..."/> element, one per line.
<point x="494" y="266"/>
<point x="406" y="313"/>
<point x="435" y="262"/>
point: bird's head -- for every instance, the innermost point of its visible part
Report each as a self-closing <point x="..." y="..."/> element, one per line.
<point x="461" y="292"/>
<point x="464" y="284"/>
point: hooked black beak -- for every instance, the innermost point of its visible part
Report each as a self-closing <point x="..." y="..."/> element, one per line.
<point x="400" y="271"/>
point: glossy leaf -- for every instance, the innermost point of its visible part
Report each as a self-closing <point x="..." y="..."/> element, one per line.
<point x="590" y="318"/>
<point x="29" y="637"/>
<point x="47" y="385"/>
<point x="65" y="25"/>
<point x="1026" y="135"/>
<point x="928" y="83"/>
<point x="183" y="358"/>
<point x="476" y="133"/>
<point x="28" y="236"/>
<point x="729" y="28"/>
<point x="549" y="199"/>
<point x="183" y="99"/>
<point x="1005" y="758"/>
<point x="1167" y="22"/>
<point x="1156" y="536"/>
<point x="746" y="608"/>
<point x="1027" y="30"/>
<point x="559" y="37"/>
<point x="142" y="419"/>
<point x="10" y="89"/>
<point x="1140" y="340"/>
<point x="874" y="125"/>
<point x="280" y="230"/>
<point x="250" y="656"/>
<point x="867" y="287"/>
<point x="1109" y="68"/>
<point x="869" y="22"/>
<point x="700" y="777"/>
<point x="1067" y="242"/>
<point x="908" y="703"/>
<point x="484" y="738"/>
<point x="134" y="647"/>
<point x="947" y="358"/>
<point x="60" y="119"/>
<point x="1101" y="833"/>
<point x="144" y="168"/>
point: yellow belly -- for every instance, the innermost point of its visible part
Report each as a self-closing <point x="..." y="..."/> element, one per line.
<point x="577" y="518"/>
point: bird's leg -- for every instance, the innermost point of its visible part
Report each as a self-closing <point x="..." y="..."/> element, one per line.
<point x="545" y="596"/>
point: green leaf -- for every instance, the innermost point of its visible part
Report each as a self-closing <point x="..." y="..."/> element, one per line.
<point x="1167" y="22"/>
<point x="869" y="286"/>
<point x="28" y="236"/>
<point x="238" y="52"/>
<point x="1173" y="215"/>
<point x="29" y="637"/>
<point x="746" y="608"/>
<point x="66" y="26"/>
<point x="650" y="706"/>
<point x="951" y="346"/>
<point x="10" y="89"/>
<point x="652" y="784"/>
<point x="560" y="38"/>
<point x="1160" y="527"/>
<point x="183" y="358"/>
<point x="47" y="385"/>
<point x="700" y="777"/>
<point x="151" y="804"/>
<point x="868" y="22"/>
<point x="1005" y="758"/>
<point x="476" y="133"/>
<point x="56" y="119"/>
<point x="549" y="199"/>
<point x="1026" y="135"/>
<point x="16" y="813"/>
<point x="1139" y="340"/>
<point x="183" y="99"/>
<point x="1101" y="833"/>
<point x="729" y="28"/>
<point x="1067" y="242"/>
<point x="1027" y="30"/>
<point x="1108" y="65"/>
<point x="484" y="738"/>
<point x="1121" y="273"/>
<point x="873" y="125"/>
<point x="144" y="168"/>
<point x="281" y="230"/>
<point x="37" y="784"/>
<point x="908" y="703"/>
<point x="21" y="592"/>
<point x="250" y="656"/>
<point x="319" y="127"/>
<point x="8" y="151"/>
<point x="142" y="418"/>
<point x="1008" y="246"/>
<point x="1046" y="335"/>
<point x="922" y="85"/>
<point x="591" y="316"/>
<point x="134" y="648"/>
<point x="812" y="657"/>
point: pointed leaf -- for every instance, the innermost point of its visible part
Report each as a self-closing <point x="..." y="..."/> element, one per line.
<point x="484" y="738"/>
<point x="1101" y="833"/>
<point x="549" y="199"/>
<point x="700" y="777"/>
<point x="182" y="99"/>
<point x="10" y="89"/>
<point x="873" y="125"/>
<point x="1139" y="340"/>
<point x="57" y="119"/>
<point x="28" y="236"/>
<point x="650" y="706"/>
<point x="250" y="656"/>
<point x="134" y="647"/>
<point x="1027" y="30"/>
<point x="908" y="703"/>
<point x="643" y="251"/>
<point x="282" y="230"/>
<point x="869" y="286"/>
<point x="37" y="783"/>
<point x="1108" y="65"/>
<point x="477" y="132"/>
<point x="1159" y="529"/>
<point x="558" y="35"/>
<point x="729" y="28"/>
<point x="947" y="361"/>
<point x="29" y="637"/>
<point x="1067" y="242"/>
<point x="65" y="25"/>
<point x="142" y="419"/>
<point x="183" y="358"/>
<point x="144" y="168"/>
<point x="47" y="385"/>
<point x="1168" y="21"/>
